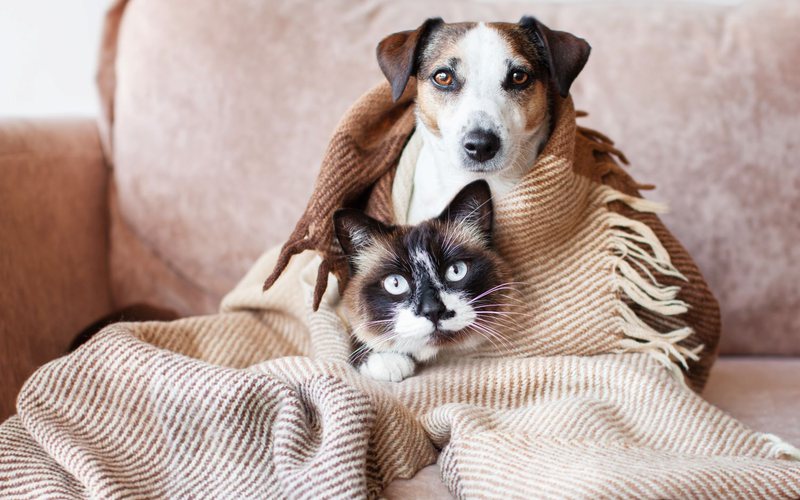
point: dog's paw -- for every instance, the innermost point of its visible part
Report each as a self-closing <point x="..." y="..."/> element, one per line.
<point x="388" y="366"/>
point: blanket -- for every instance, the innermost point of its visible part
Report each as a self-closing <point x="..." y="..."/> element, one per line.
<point x="589" y="254"/>
<point x="586" y="397"/>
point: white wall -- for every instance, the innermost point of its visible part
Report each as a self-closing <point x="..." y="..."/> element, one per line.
<point x="48" y="55"/>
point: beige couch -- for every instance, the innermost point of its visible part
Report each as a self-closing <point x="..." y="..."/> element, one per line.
<point x="216" y="113"/>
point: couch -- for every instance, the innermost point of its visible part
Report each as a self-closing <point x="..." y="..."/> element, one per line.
<point x="214" y="116"/>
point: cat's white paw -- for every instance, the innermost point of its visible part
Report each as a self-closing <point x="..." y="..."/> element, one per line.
<point x="388" y="366"/>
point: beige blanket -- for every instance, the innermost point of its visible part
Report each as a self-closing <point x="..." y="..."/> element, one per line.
<point x="587" y="399"/>
<point x="199" y="408"/>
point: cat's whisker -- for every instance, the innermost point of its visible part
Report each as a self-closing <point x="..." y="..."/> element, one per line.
<point x="491" y="335"/>
<point x="490" y="297"/>
<point x="501" y="305"/>
<point x="506" y="314"/>
<point x="489" y="323"/>
<point x="492" y="320"/>
<point x="509" y="321"/>
<point x="376" y="344"/>
<point x="484" y="294"/>
<point x="499" y="322"/>
<point x="381" y="322"/>
<point x="381" y="341"/>
<point x="510" y="311"/>
<point x="516" y="291"/>
<point x="513" y="283"/>
<point x="376" y="321"/>
<point x="502" y="286"/>
<point x="368" y="346"/>
<point x="511" y="297"/>
<point x="486" y="336"/>
<point x="492" y="308"/>
<point x="507" y="325"/>
<point x="370" y="324"/>
<point x="497" y="335"/>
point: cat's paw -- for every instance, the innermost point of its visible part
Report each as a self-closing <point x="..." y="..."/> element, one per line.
<point x="388" y="366"/>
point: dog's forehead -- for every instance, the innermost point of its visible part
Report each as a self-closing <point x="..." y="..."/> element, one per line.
<point x="459" y="41"/>
<point x="446" y="36"/>
<point x="518" y="41"/>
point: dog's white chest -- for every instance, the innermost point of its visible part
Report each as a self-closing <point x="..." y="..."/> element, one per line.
<point x="436" y="182"/>
<point x="434" y="186"/>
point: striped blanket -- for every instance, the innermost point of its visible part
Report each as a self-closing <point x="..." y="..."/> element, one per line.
<point x="589" y="398"/>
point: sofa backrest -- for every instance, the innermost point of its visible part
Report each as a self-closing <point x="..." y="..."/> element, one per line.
<point x="217" y="113"/>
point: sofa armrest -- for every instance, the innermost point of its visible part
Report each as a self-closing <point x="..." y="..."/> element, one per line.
<point x="54" y="277"/>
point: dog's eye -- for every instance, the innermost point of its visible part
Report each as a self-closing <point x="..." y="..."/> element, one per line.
<point x="519" y="77"/>
<point x="443" y="78"/>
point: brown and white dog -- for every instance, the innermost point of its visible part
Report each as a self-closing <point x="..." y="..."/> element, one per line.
<point x="486" y="99"/>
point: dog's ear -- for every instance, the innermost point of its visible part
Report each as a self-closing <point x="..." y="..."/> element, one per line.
<point x="472" y="205"/>
<point x="398" y="54"/>
<point x="566" y="52"/>
<point x="356" y="230"/>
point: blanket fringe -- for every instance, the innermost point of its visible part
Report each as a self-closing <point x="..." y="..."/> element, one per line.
<point x="638" y="204"/>
<point x="637" y="254"/>
<point x="782" y="449"/>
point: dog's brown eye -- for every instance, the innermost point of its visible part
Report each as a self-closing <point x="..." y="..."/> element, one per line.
<point x="519" y="78"/>
<point x="443" y="78"/>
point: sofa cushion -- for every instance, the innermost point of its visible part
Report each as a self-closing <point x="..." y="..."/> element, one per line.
<point x="219" y="114"/>
<point x="764" y="393"/>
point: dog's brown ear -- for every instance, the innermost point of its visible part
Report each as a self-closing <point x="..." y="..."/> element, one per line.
<point x="398" y="54"/>
<point x="567" y="53"/>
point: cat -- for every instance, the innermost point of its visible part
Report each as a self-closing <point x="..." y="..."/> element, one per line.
<point x="418" y="290"/>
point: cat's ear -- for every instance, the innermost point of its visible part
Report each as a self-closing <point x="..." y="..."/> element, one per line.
<point x="356" y="230"/>
<point x="473" y="206"/>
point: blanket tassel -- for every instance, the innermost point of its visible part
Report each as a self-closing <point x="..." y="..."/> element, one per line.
<point x="782" y="449"/>
<point x="637" y="254"/>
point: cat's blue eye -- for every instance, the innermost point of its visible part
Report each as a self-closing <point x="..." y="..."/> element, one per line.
<point x="395" y="284"/>
<point x="456" y="271"/>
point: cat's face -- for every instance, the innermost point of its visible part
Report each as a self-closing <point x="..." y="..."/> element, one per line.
<point x="416" y="289"/>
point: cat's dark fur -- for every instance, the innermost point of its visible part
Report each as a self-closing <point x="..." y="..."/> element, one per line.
<point x="416" y="290"/>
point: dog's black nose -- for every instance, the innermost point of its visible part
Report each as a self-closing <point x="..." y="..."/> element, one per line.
<point x="481" y="145"/>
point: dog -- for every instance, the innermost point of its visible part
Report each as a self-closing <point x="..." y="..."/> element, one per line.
<point x="487" y="95"/>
